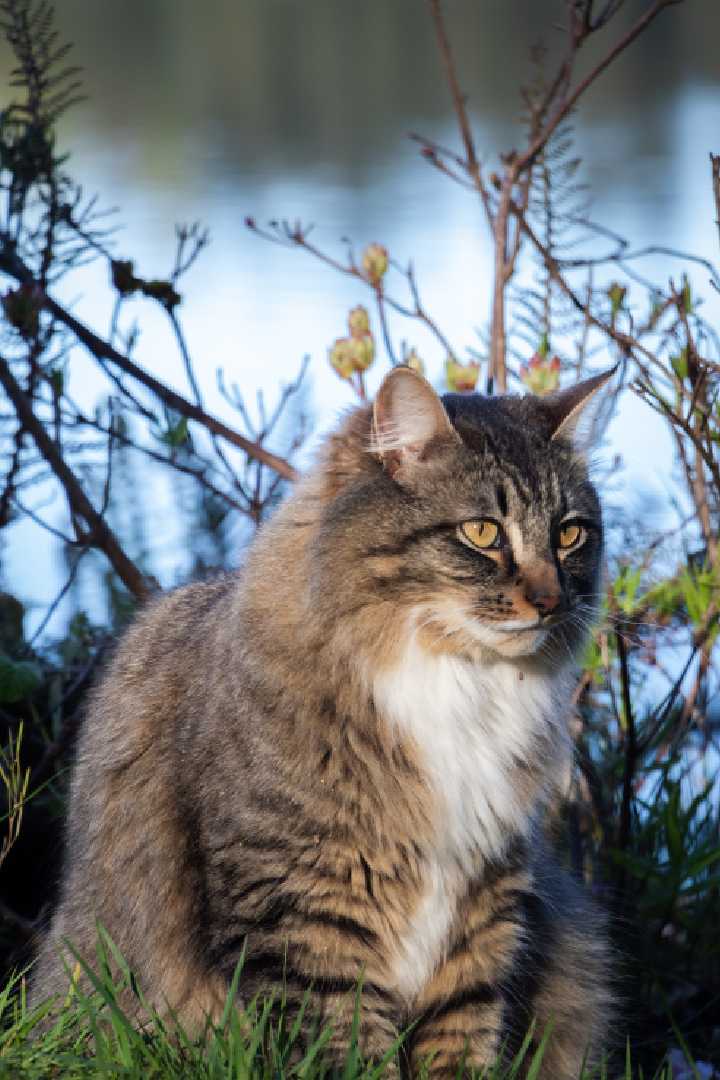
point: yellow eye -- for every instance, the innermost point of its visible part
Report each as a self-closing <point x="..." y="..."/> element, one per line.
<point x="571" y="535"/>
<point x="482" y="534"/>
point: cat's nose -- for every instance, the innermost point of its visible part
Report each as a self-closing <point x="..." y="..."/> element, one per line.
<point x="544" y="603"/>
<point x="542" y="590"/>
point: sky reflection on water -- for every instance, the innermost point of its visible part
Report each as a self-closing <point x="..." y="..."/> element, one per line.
<point x="255" y="109"/>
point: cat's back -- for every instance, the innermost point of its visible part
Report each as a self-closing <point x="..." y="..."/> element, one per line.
<point x="130" y="862"/>
<point x="161" y="660"/>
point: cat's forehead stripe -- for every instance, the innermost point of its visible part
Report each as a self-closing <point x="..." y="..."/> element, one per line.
<point x="518" y="452"/>
<point x="514" y="491"/>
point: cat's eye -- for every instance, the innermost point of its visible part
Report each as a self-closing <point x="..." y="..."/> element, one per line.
<point x="571" y="535"/>
<point x="483" y="534"/>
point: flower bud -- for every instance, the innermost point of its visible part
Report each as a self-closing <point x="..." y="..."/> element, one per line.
<point x="374" y="261"/>
<point x="359" y="321"/>
<point x="362" y="351"/>
<point x="123" y="276"/>
<point x="616" y="294"/>
<point x="341" y="359"/>
<point x="353" y="355"/>
<point x="541" y="377"/>
<point x="461" y="378"/>
<point x="413" y="361"/>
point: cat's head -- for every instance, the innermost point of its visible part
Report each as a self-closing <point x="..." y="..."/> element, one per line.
<point x="471" y="521"/>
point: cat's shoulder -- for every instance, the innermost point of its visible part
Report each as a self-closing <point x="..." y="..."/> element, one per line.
<point x="162" y="650"/>
<point x="167" y="617"/>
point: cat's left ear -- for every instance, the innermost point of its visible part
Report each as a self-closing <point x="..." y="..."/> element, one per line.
<point x="410" y="425"/>
<point x="563" y="411"/>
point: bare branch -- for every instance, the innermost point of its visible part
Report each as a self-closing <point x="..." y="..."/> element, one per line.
<point x="528" y="157"/>
<point x="103" y="351"/>
<point x="187" y="361"/>
<point x="662" y="407"/>
<point x="715" y="163"/>
<point x="101" y="535"/>
<point x="434" y="154"/>
<point x="295" y="236"/>
<point x="623" y="256"/>
<point x="43" y="524"/>
<point x="471" y="164"/>
<point x="162" y="459"/>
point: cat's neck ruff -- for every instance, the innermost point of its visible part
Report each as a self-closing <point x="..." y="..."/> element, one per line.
<point x="494" y="741"/>
<point x="493" y="736"/>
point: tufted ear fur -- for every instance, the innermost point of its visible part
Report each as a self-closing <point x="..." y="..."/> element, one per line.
<point x="410" y="424"/>
<point x="562" y="412"/>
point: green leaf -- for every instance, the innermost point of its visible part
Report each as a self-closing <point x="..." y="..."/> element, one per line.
<point x="537" y="1060"/>
<point x="655" y="303"/>
<point x="18" y="678"/>
<point x="677" y="1031"/>
<point x="57" y="378"/>
<point x="680" y="365"/>
<point x="177" y="436"/>
<point x="672" y="828"/>
<point x="700" y="886"/>
<point x="701" y="863"/>
<point x="645" y="870"/>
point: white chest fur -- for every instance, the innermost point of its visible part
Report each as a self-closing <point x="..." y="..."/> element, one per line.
<point x="489" y="741"/>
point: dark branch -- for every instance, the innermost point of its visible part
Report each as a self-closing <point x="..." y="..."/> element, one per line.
<point x="101" y="536"/>
<point x="103" y="351"/>
<point x="527" y="159"/>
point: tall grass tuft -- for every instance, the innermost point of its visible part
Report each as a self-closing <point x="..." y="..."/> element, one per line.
<point x="89" y="1035"/>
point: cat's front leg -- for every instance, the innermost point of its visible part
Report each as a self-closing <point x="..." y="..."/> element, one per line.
<point x="456" y="1029"/>
<point x="462" y="1009"/>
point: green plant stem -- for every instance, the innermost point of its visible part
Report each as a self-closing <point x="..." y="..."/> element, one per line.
<point x="630" y="749"/>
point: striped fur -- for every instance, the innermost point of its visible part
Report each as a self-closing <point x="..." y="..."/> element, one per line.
<point x="344" y="752"/>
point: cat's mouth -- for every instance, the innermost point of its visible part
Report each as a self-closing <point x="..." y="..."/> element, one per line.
<point x="504" y="637"/>
<point x="516" y="638"/>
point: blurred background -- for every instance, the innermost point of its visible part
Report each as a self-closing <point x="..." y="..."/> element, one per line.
<point x="280" y="110"/>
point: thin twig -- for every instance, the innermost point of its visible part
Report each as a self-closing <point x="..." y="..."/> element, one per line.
<point x="630" y="744"/>
<point x="565" y="106"/>
<point x="296" y="236"/>
<point x="103" y="351"/>
<point x="102" y="535"/>
<point x="472" y="164"/>
<point x="162" y="459"/>
<point x="715" y="164"/>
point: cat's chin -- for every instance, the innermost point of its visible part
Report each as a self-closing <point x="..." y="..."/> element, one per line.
<point x="514" y="642"/>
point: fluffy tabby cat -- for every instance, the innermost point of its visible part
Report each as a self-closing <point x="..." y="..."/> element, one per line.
<point x="345" y="750"/>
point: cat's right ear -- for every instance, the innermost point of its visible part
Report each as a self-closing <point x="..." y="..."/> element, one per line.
<point x="410" y="425"/>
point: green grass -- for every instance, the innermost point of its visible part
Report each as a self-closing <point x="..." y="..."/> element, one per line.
<point x="90" y="1036"/>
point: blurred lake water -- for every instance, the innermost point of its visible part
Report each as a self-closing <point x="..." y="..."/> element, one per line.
<point x="274" y="109"/>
